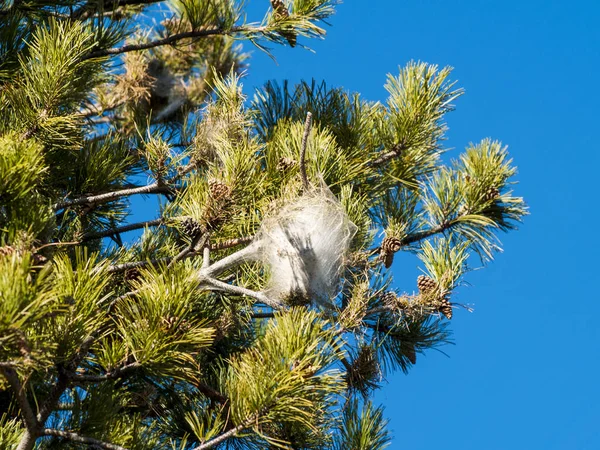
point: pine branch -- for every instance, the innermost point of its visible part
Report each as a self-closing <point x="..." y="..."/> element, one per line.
<point x="198" y="240"/>
<point x="395" y="152"/>
<point x="154" y="188"/>
<point x="63" y="377"/>
<point x="214" y="247"/>
<point x="19" y="390"/>
<point x="223" y="437"/>
<point x="113" y="231"/>
<point x="116" y="373"/>
<point x="211" y="393"/>
<point x="419" y="236"/>
<point x="169" y="40"/>
<point x="81" y="439"/>
<point x="240" y="291"/>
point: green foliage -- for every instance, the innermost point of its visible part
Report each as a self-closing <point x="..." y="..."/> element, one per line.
<point x="285" y="377"/>
<point x="363" y="429"/>
<point x="172" y="340"/>
<point x="10" y="432"/>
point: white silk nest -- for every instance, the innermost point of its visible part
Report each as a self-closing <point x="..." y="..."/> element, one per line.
<point x="304" y="247"/>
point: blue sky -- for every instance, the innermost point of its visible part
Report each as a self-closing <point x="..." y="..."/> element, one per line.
<point x="524" y="372"/>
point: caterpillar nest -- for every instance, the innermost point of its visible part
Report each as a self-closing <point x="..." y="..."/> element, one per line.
<point x="304" y="248"/>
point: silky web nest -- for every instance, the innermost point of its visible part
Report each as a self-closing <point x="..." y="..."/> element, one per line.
<point x="304" y="247"/>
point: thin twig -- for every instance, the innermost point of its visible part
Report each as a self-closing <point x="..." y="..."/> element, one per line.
<point x="395" y="152"/>
<point x="307" y="126"/>
<point x="154" y="188"/>
<point x="81" y="439"/>
<point x="223" y="437"/>
<point x="169" y="40"/>
<point x="217" y="284"/>
<point x="201" y="238"/>
<point x="113" y="231"/>
<point x="213" y="247"/>
<point x="116" y="373"/>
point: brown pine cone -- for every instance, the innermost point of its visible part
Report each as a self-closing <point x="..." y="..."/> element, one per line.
<point x="491" y="194"/>
<point x="426" y="284"/>
<point x="191" y="227"/>
<point x="219" y="190"/>
<point x="131" y="274"/>
<point x="280" y="9"/>
<point x="169" y="323"/>
<point x="389" y="246"/>
<point x="285" y="164"/>
<point x="446" y="308"/>
<point x="388" y="298"/>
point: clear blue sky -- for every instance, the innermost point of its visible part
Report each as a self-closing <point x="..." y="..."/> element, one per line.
<point x="524" y="373"/>
<point x="525" y="370"/>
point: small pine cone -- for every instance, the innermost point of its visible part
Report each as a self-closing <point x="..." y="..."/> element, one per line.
<point x="170" y="322"/>
<point x="39" y="259"/>
<point x="491" y="194"/>
<point x="285" y="164"/>
<point x="131" y="274"/>
<point x="426" y="284"/>
<point x="391" y="244"/>
<point x="218" y="190"/>
<point x="389" y="298"/>
<point x="191" y="227"/>
<point x="446" y="308"/>
<point x="280" y="9"/>
<point x="7" y="250"/>
<point x="410" y="353"/>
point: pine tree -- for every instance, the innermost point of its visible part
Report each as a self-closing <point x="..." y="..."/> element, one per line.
<point x="256" y="310"/>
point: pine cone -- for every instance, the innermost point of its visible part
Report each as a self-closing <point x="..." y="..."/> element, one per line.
<point x="446" y="308"/>
<point x="219" y="190"/>
<point x="491" y="194"/>
<point x="169" y="323"/>
<point x="389" y="246"/>
<point x="285" y="164"/>
<point x="191" y="227"/>
<point x="131" y="274"/>
<point x="388" y="298"/>
<point x="7" y="250"/>
<point x="281" y="11"/>
<point x="426" y="284"/>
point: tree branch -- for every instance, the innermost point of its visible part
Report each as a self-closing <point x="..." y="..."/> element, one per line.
<point x="307" y="126"/>
<point x="153" y="188"/>
<point x="116" y="373"/>
<point x="19" y="390"/>
<point x="81" y="439"/>
<point x="137" y="264"/>
<point x="393" y="153"/>
<point x="239" y="290"/>
<point x="166" y="41"/>
<point x="111" y="232"/>
<point x="223" y="437"/>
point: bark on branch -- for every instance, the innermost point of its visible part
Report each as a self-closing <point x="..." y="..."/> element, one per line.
<point x="168" y="40"/>
<point x="153" y="188"/>
<point x="81" y="439"/>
